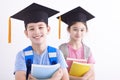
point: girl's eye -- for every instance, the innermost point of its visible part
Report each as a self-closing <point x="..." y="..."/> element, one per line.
<point x="75" y="29"/>
<point x="79" y="30"/>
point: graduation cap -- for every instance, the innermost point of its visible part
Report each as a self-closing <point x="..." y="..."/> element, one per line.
<point x="32" y="13"/>
<point x="75" y="15"/>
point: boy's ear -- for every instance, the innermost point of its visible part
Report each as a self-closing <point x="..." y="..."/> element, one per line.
<point x="48" y="28"/>
<point x="25" y="32"/>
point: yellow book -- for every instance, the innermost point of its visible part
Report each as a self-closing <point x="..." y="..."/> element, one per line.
<point x="79" y="69"/>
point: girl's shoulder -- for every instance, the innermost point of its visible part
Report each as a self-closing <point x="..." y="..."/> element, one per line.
<point x="63" y="45"/>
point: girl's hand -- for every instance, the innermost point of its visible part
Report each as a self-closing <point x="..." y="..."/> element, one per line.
<point x="83" y="78"/>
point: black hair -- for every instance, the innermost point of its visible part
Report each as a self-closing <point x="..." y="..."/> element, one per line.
<point x="76" y="22"/>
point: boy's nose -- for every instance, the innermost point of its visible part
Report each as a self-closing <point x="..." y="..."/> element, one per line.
<point x="37" y="31"/>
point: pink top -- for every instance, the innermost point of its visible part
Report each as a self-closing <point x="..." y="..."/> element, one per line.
<point x="78" y="54"/>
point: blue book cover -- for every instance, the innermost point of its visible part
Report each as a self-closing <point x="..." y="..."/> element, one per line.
<point x="44" y="71"/>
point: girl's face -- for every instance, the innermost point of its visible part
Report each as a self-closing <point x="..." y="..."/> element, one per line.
<point x="37" y="32"/>
<point x="77" y="31"/>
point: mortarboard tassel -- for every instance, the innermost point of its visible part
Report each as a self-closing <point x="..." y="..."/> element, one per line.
<point x="9" y="30"/>
<point x="59" y="28"/>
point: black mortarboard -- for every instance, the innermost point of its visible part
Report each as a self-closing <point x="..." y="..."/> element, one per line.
<point x="75" y="15"/>
<point x="33" y="13"/>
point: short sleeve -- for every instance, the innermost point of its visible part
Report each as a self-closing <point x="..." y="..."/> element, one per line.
<point x="91" y="59"/>
<point x="20" y="64"/>
<point x="61" y="59"/>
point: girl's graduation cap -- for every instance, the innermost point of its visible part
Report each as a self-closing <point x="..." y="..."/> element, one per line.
<point x="75" y="15"/>
<point x="32" y="13"/>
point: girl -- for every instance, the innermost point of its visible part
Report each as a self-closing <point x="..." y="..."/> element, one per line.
<point x="75" y="48"/>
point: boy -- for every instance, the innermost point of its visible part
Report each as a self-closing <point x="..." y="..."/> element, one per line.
<point x="35" y="18"/>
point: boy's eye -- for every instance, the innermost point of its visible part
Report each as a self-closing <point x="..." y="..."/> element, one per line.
<point x="30" y="29"/>
<point x="81" y="30"/>
<point x="40" y="27"/>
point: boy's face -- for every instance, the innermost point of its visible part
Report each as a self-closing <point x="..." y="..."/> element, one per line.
<point x="37" y="32"/>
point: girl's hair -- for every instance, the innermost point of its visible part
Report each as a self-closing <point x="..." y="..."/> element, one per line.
<point x="75" y="23"/>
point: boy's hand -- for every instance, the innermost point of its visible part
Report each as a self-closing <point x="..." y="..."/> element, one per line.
<point x="30" y="77"/>
<point x="57" y="75"/>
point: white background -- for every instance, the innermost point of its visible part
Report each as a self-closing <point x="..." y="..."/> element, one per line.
<point x="103" y="36"/>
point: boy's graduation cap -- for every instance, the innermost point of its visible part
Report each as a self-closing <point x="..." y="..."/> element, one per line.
<point x="32" y="13"/>
<point x="75" y="15"/>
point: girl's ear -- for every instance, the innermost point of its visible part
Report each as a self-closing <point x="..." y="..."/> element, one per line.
<point x="68" y="29"/>
<point x="86" y="30"/>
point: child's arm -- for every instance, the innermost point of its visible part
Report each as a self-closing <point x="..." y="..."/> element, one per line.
<point x="20" y="75"/>
<point x="77" y="78"/>
<point x="56" y="76"/>
<point x="65" y="74"/>
<point x="90" y="75"/>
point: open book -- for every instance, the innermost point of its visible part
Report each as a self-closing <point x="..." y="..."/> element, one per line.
<point x="79" y="69"/>
<point x="44" y="71"/>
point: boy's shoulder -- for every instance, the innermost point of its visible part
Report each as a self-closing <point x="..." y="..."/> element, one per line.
<point x="27" y="48"/>
<point x="51" y="47"/>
